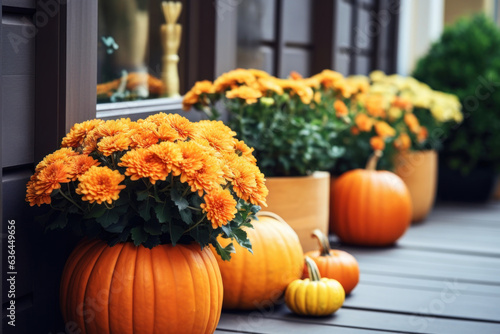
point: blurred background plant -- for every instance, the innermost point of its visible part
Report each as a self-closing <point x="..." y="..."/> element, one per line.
<point x="465" y="61"/>
<point x="286" y="121"/>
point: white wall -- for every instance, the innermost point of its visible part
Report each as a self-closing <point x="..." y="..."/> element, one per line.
<point x="420" y="24"/>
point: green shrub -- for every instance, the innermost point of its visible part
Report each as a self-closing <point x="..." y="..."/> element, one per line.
<point x="465" y="61"/>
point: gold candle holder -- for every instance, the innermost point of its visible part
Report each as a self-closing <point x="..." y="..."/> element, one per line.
<point x="171" y="40"/>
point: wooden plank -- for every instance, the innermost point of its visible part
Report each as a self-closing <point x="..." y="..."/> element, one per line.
<point x="391" y="322"/>
<point x="256" y="322"/>
<point x="371" y="278"/>
<point x="445" y="303"/>
<point x="390" y="261"/>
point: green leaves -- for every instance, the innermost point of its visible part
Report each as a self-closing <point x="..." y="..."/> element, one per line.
<point x="224" y="252"/>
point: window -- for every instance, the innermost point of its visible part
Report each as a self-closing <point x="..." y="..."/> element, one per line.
<point x="138" y="52"/>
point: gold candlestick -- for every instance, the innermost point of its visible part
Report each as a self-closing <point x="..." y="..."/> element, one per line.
<point x="171" y="39"/>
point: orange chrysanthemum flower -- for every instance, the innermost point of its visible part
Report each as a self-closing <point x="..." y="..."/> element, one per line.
<point x="217" y="134"/>
<point x="384" y="130"/>
<point x="340" y="108"/>
<point x="142" y="163"/>
<point x="343" y="88"/>
<point x="375" y="106"/>
<point x="51" y="177"/>
<point x="203" y="87"/>
<point x="220" y="207"/>
<point x="355" y="131"/>
<point x="61" y="154"/>
<point x="259" y="73"/>
<point x="412" y="122"/>
<point x="403" y="142"/>
<point x="170" y="155"/>
<point x="189" y="100"/>
<point x="259" y="197"/>
<point x="100" y="184"/>
<point x="422" y="134"/>
<point x="112" y="144"/>
<point x="234" y="78"/>
<point x="377" y="143"/>
<point x="242" y="149"/>
<point x="327" y="78"/>
<point x="295" y="75"/>
<point x="105" y="129"/>
<point x="206" y="178"/>
<point x="269" y="84"/>
<point x="78" y="133"/>
<point x="298" y="88"/>
<point x="243" y="182"/>
<point x="113" y="127"/>
<point x="145" y="135"/>
<point x="402" y="103"/>
<point x="184" y="128"/>
<point x="363" y="122"/>
<point x="80" y="164"/>
<point x="249" y="94"/>
<point x="192" y="157"/>
<point x="32" y="197"/>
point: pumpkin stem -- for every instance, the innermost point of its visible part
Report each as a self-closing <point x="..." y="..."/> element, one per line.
<point x="324" y="244"/>
<point x="313" y="270"/>
<point x="372" y="162"/>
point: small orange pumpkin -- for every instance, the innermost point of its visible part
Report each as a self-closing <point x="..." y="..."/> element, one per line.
<point x="132" y="289"/>
<point x="259" y="279"/>
<point x="335" y="264"/>
<point x="370" y="207"/>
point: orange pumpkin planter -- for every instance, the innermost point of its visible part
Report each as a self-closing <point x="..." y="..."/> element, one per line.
<point x="335" y="264"/>
<point x="127" y="289"/>
<point x="259" y="279"/>
<point x="370" y="207"/>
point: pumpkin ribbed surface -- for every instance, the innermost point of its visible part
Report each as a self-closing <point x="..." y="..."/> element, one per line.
<point x="371" y="208"/>
<point x="339" y="265"/>
<point x="259" y="279"/>
<point x="126" y="289"/>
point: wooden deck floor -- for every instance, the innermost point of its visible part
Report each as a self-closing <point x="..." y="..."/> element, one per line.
<point x="442" y="277"/>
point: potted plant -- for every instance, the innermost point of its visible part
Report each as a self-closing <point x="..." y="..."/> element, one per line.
<point x="423" y="117"/>
<point x="464" y="62"/>
<point x="292" y="134"/>
<point x="149" y="196"/>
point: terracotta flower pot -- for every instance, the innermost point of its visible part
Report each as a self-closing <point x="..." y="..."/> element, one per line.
<point x="303" y="202"/>
<point x="418" y="170"/>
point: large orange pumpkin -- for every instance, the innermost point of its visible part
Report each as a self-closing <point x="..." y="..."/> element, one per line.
<point x="135" y="290"/>
<point x="257" y="280"/>
<point x="335" y="264"/>
<point x="370" y="207"/>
